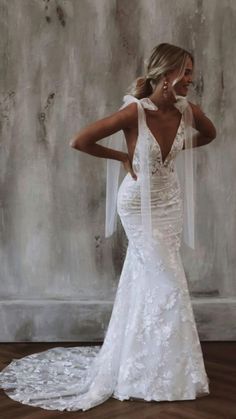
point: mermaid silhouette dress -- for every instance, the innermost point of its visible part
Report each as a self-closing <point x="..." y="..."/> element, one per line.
<point x="151" y="350"/>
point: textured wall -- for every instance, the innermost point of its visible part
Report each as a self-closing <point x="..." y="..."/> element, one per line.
<point x="63" y="65"/>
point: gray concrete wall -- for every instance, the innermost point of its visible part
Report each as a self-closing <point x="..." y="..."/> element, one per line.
<point x="63" y="65"/>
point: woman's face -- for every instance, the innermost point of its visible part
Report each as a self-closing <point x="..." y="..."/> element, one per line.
<point x="181" y="87"/>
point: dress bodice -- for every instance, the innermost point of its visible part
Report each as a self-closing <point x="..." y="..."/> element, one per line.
<point x="156" y="164"/>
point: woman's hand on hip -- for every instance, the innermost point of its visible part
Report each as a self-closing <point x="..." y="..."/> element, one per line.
<point x="128" y="167"/>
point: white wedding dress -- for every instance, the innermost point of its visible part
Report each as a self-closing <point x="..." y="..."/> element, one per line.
<point x="151" y="349"/>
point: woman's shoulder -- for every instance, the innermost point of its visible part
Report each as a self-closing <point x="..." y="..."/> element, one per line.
<point x="130" y="113"/>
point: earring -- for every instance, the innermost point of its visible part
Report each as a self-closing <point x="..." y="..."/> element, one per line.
<point x="165" y="87"/>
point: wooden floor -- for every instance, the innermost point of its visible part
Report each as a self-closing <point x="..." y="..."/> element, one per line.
<point x="220" y="362"/>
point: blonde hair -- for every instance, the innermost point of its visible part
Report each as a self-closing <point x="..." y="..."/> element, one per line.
<point x="164" y="57"/>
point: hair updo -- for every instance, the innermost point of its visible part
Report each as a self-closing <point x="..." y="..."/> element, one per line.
<point x="164" y="57"/>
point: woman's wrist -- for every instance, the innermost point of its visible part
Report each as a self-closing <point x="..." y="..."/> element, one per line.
<point x="197" y="112"/>
<point x="124" y="157"/>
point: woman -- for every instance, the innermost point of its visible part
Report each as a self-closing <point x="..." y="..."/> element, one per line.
<point x="151" y="350"/>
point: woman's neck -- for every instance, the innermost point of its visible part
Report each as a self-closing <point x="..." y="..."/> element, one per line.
<point x="163" y="104"/>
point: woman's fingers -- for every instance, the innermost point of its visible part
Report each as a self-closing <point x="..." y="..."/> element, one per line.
<point x="129" y="169"/>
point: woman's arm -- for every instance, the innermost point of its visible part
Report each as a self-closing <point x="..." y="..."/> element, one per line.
<point x="85" y="140"/>
<point x="204" y="126"/>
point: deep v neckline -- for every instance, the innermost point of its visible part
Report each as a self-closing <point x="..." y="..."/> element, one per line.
<point x="155" y="139"/>
<point x="158" y="145"/>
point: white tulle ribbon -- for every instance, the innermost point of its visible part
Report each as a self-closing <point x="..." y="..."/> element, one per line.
<point x="181" y="103"/>
<point x="185" y="163"/>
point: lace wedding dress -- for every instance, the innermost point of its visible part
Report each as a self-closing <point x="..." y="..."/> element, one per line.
<point x="151" y="349"/>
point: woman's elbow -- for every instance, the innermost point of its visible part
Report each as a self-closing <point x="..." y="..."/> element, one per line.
<point x="210" y="138"/>
<point x="213" y="134"/>
<point x="75" y="143"/>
